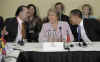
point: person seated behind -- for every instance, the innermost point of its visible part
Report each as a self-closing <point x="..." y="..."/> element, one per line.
<point x="54" y="30"/>
<point x="59" y="6"/>
<point x="87" y="29"/>
<point x="15" y="26"/>
<point x="87" y="12"/>
<point x="33" y="24"/>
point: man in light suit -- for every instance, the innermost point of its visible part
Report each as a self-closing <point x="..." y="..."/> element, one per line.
<point x="87" y="29"/>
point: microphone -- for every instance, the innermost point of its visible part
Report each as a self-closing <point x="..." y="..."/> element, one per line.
<point x="17" y="49"/>
<point x="49" y="35"/>
<point x="60" y="16"/>
<point x="60" y="28"/>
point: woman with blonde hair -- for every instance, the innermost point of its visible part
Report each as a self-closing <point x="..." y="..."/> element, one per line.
<point x="54" y="30"/>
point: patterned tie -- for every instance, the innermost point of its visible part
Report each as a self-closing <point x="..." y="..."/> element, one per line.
<point x="23" y="31"/>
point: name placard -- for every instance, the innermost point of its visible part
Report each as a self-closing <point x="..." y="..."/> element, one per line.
<point x="53" y="46"/>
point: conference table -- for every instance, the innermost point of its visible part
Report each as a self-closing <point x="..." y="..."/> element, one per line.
<point x="34" y="52"/>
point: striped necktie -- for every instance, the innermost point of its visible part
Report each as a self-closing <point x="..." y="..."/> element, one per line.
<point x="23" y="31"/>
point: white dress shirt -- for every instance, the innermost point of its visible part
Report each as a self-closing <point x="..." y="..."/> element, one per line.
<point x="19" y="34"/>
<point x="83" y="33"/>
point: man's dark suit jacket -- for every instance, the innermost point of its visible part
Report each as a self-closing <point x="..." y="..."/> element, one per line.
<point x="64" y="18"/>
<point x="92" y="29"/>
<point x="12" y="29"/>
<point x="35" y="27"/>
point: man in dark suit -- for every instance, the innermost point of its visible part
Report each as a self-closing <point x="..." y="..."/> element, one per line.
<point x="59" y="6"/>
<point x="14" y="26"/>
<point x="85" y="30"/>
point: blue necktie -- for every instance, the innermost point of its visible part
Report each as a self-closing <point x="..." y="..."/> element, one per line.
<point x="79" y="33"/>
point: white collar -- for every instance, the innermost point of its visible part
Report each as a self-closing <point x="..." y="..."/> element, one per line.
<point x="19" y="20"/>
<point x="81" y="23"/>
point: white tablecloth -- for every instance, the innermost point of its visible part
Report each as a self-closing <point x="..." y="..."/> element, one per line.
<point x="0" y="57"/>
<point x="95" y="46"/>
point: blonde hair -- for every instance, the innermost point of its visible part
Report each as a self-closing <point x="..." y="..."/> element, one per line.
<point x="90" y="8"/>
<point x="54" y="11"/>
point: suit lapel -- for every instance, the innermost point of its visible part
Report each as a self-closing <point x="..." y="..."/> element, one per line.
<point x="16" y="26"/>
<point x="85" y="24"/>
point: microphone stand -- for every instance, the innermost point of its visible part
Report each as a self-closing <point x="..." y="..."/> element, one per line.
<point x="49" y="35"/>
<point x="60" y="16"/>
<point x="60" y="28"/>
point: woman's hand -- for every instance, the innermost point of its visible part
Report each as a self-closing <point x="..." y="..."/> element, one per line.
<point x="4" y="32"/>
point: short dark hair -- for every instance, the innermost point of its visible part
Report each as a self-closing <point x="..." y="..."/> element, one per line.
<point x="35" y="9"/>
<point x="62" y="5"/>
<point x="19" y="9"/>
<point x="77" y="12"/>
